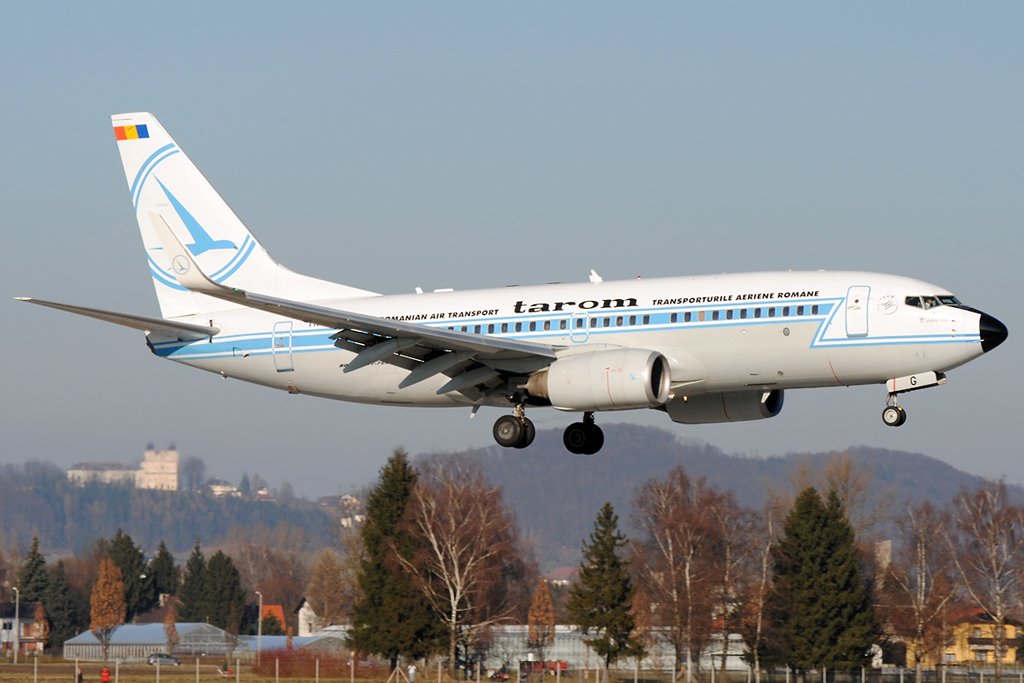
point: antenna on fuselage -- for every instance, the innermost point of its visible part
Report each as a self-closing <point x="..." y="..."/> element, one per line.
<point x="594" y="277"/>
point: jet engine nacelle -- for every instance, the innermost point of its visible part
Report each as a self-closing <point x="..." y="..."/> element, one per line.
<point x="617" y="379"/>
<point x="735" y="406"/>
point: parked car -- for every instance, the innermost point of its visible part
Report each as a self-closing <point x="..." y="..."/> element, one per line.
<point x="165" y="660"/>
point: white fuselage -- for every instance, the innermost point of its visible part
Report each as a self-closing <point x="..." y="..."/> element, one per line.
<point x="720" y="333"/>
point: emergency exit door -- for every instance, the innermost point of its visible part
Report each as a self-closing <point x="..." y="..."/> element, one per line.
<point x="281" y="346"/>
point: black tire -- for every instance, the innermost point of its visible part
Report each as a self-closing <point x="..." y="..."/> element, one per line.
<point x="595" y="440"/>
<point x="903" y="417"/>
<point x="529" y="433"/>
<point x="891" y="416"/>
<point x="575" y="438"/>
<point x="508" y="430"/>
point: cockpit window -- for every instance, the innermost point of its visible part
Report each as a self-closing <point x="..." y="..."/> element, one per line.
<point x="927" y="302"/>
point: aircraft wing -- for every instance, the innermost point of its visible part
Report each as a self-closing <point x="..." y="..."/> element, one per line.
<point x="471" y="360"/>
<point x="167" y="328"/>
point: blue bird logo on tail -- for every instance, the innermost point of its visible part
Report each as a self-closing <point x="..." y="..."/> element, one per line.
<point x="201" y="240"/>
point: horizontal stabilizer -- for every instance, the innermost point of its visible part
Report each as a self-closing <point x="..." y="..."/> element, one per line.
<point x="169" y="328"/>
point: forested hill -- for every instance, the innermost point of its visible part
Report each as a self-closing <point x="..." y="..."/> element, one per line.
<point x="36" y="498"/>
<point x="556" y="495"/>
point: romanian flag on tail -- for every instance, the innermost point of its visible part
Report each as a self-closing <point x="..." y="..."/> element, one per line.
<point x="131" y="132"/>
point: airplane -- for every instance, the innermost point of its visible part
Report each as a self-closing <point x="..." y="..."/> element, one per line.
<point x="707" y="349"/>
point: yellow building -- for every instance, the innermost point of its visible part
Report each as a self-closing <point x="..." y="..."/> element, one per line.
<point x="973" y="641"/>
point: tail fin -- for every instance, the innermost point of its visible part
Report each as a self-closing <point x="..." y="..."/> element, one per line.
<point x="165" y="184"/>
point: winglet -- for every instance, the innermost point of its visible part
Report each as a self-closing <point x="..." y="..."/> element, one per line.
<point x="183" y="264"/>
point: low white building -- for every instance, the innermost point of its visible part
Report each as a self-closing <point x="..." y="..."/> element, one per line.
<point x="158" y="470"/>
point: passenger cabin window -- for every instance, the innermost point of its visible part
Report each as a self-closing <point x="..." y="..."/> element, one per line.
<point x="743" y="313"/>
<point x="771" y="312"/>
<point x="687" y="317"/>
<point x="464" y="328"/>
<point x="700" y="316"/>
<point x="647" y="320"/>
<point x="476" y="329"/>
<point x="519" y="327"/>
<point x="814" y="309"/>
<point x="490" y="329"/>
<point x="757" y="312"/>
<point x="632" y="320"/>
<point x="714" y="315"/>
<point x="728" y="314"/>
<point x="504" y="328"/>
<point x="563" y="324"/>
<point x="785" y="311"/>
<point x="799" y="310"/>
<point x="533" y="326"/>
<point x="674" y="317"/>
<point x="606" y="322"/>
<point x="618" y="321"/>
<point x="593" y="323"/>
<point x="547" y="324"/>
<point x="579" y="323"/>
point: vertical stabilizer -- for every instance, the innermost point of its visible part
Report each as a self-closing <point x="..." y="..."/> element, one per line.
<point x="165" y="184"/>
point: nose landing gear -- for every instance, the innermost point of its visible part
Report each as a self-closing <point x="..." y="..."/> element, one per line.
<point x="515" y="430"/>
<point x="583" y="438"/>
<point x="893" y="415"/>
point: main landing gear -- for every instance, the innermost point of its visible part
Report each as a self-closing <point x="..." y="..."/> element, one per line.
<point x="583" y="438"/>
<point x="893" y="415"/>
<point x="515" y="430"/>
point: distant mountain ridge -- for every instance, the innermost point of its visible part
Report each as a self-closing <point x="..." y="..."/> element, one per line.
<point x="556" y="495"/>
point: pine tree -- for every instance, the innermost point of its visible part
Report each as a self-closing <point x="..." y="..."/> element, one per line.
<point x="601" y="599"/>
<point x="223" y="595"/>
<point x="244" y="487"/>
<point x="139" y="592"/>
<point x="392" y="618"/>
<point x="821" y="604"/>
<point x="166" y="575"/>
<point x="541" y="620"/>
<point x="32" y="577"/>
<point x="107" y="603"/>
<point x="192" y="593"/>
<point x="272" y="626"/>
<point x="60" y="607"/>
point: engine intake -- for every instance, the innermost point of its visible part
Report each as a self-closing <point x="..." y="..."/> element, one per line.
<point x="617" y="379"/>
<point x="736" y="406"/>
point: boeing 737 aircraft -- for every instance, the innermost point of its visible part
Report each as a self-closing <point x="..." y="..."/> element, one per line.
<point x="718" y="348"/>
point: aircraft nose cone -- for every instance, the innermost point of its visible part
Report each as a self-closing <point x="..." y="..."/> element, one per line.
<point x="993" y="333"/>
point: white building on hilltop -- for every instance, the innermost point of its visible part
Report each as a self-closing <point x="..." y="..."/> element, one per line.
<point x="159" y="470"/>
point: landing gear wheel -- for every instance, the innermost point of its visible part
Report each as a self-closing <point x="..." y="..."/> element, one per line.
<point x="529" y="432"/>
<point x="508" y="431"/>
<point x="894" y="416"/>
<point x="583" y="438"/>
<point x="575" y="438"/>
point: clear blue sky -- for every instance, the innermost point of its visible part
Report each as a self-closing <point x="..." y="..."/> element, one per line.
<point x="466" y="145"/>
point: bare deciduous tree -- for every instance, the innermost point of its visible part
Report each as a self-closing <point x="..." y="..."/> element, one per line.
<point x="986" y="543"/>
<point x="919" y="582"/>
<point x="107" y="603"/>
<point x="469" y="555"/>
<point x="541" y="621"/>
<point x="331" y="596"/>
<point x="733" y="529"/>
<point x="673" y="560"/>
<point x="764" y="538"/>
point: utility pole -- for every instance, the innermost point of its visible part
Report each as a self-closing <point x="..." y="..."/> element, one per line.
<point x="259" y="630"/>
